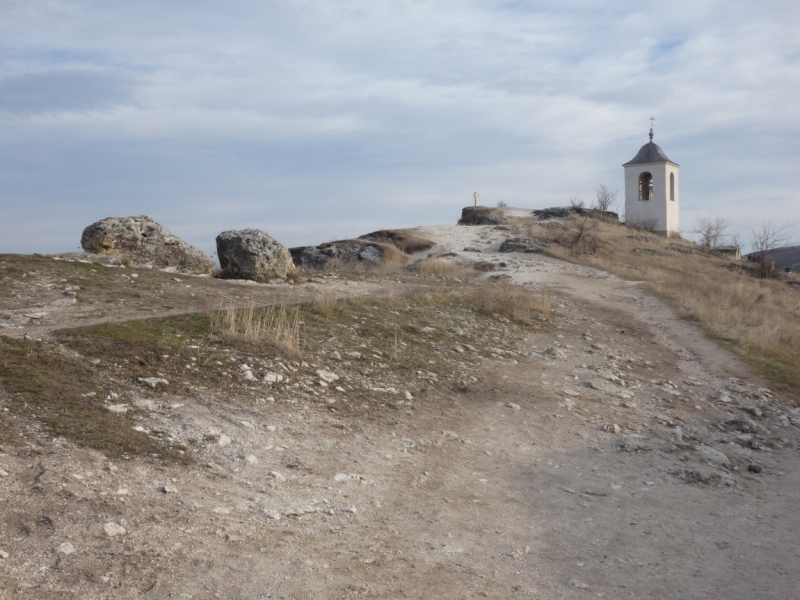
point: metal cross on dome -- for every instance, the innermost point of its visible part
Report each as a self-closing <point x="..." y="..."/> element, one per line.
<point x="652" y="119"/>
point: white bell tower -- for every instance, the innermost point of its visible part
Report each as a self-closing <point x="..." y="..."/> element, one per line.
<point x="651" y="190"/>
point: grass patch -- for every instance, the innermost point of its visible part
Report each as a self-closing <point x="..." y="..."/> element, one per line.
<point x="44" y="384"/>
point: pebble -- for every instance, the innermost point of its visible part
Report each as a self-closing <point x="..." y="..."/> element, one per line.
<point x="114" y="529"/>
<point x="512" y="405"/>
<point x="224" y="440"/>
<point x="754" y="468"/>
<point x="273" y="514"/>
<point x="3" y="554"/>
<point x="66" y="548"/>
<point x="169" y="489"/>
<point x="151" y="382"/>
<point x="252" y="459"/>
<point x="118" y="408"/>
<point x="3" y="473"/>
<point x="612" y="428"/>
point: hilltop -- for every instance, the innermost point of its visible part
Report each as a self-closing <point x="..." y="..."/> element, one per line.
<point x="520" y="410"/>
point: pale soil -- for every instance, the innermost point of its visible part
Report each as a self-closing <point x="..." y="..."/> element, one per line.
<point x="509" y="487"/>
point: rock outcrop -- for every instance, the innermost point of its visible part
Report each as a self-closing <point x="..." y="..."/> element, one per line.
<point x="141" y="242"/>
<point x="253" y="254"/>
<point x="563" y="212"/>
<point x="347" y="253"/>
<point x="528" y="245"/>
<point x="482" y="215"/>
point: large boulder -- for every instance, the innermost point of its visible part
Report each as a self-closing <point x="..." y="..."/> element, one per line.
<point x="347" y="253"/>
<point x="141" y="242"/>
<point x="253" y="254"/>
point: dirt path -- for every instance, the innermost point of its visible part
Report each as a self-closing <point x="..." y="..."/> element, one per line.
<point x="595" y="459"/>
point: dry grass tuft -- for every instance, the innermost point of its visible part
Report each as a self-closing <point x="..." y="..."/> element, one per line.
<point x="507" y="300"/>
<point x="326" y="304"/>
<point x="278" y="326"/>
<point x="436" y="265"/>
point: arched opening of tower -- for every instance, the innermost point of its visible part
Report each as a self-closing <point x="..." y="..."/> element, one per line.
<point x="672" y="186"/>
<point x="645" y="186"/>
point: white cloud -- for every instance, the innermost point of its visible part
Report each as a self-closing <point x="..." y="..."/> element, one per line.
<point x="308" y="117"/>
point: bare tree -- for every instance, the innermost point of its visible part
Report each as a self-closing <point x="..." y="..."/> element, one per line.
<point x="576" y="203"/>
<point x="711" y="231"/>
<point x="606" y="198"/>
<point x="502" y="203"/>
<point x="765" y="241"/>
<point x="734" y="239"/>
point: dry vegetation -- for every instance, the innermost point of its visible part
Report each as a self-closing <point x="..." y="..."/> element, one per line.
<point x="277" y="325"/>
<point x="758" y="318"/>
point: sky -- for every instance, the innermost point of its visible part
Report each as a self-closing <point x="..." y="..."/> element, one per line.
<point x="318" y="120"/>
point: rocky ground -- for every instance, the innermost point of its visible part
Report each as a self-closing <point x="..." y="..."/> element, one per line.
<point x="416" y="446"/>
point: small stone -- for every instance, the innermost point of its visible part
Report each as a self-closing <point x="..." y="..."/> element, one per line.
<point x="612" y="428"/>
<point x="633" y="443"/>
<point x="122" y="492"/>
<point x="712" y="456"/>
<point x="151" y="382"/>
<point x="327" y="376"/>
<point x="224" y="440"/>
<point x="512" y="406"/>
<point x="3" y="473"/>
<point x="273" y="514"/>
<point x="577" y="584"/>
<point x="754" y="468"/>
<point x="3" y="554"/>
<point x="277" y="476"/>
<point x="270" y="377"/>
<point x="114" y="529"/>
<point x="66" y="548"/>
<point x="169" y="489"/>
<point x="252" y="459"/>
<point x="352" y="510"/>
<point x="118" y="408"/>
<point x="554" y="352"/>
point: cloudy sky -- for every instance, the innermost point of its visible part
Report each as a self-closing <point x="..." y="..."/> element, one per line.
<point x="320" y="119"/>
